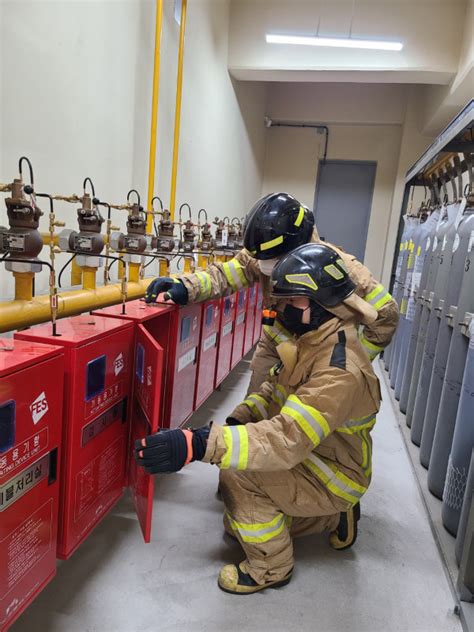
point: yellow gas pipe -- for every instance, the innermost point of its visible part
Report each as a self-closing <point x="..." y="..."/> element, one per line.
<point x="88" y="278"/>
<point x="188" y="265"/>
<point x="134" y="272"/>
<point x="23" y="286"/>
<point x="154" y="113"/>
<point x="177" y="113"/>
<point x="76" y="273"/>
<point x="164" y="267"/>
<point x="17" y="314"/>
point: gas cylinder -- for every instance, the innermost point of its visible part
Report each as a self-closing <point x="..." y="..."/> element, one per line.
<point x="415" y="306"/>
<point x="444" y="257"/>
<point x="433" y="262"/>
<point x="412" y="225"/>
<point x="451" y="390"/>
<point x="459" y="252"/>
<point x="463" y="443"/>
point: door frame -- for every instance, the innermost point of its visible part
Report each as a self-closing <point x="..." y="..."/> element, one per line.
<point x="322" y="162"/>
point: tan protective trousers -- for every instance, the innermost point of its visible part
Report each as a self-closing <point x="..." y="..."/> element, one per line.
<point x="264" y="358"/>
<point x="264" y="510"/>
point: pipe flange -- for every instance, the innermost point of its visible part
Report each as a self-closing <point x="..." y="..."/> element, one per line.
<point x="13" y="266"/>
<point x="116" y="240"/>
<point x="86" y="261"/>
<point x="65" y="239"/>
<point x="129" y="258"/>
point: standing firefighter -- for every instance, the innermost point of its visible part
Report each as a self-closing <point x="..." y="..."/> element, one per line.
<point x="276" y="225"/>
<point x="295" y="456"/>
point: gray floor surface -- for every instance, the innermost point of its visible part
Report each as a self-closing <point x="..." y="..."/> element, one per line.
<point x="391" y="580"/>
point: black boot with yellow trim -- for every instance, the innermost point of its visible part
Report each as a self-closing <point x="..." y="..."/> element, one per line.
<point x="346" y="533"/>
<point x="236" y="581"/>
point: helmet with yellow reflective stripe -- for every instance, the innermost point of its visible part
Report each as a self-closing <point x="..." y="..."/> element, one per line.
<point x="276" y="225"/>
<point x="315" y="271"/>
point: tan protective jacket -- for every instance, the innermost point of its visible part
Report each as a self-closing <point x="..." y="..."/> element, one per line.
<point x="242" y="271"/>
<point x="317" y="409"/>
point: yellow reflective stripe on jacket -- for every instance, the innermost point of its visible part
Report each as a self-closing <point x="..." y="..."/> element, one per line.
<point x="337" y="482"/>
<point x="366" y="452"/>
<point x="372" y="350"/>
<point x="235" y="275"/>
<point x="309" y="419"/>
<point x="279" y="394"/>
<point x="205" y="285"/>
<point x="237" y="448"/>
<point x="353" y="426"/>
<point x="277" y="332"/>
<point x="259" y="531"/>
<point x="378" y="297"/>
<point x="258" y="405"/>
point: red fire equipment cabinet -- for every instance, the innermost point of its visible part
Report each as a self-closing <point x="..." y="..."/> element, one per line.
<point x="258" y="314"/>
<point x="239" y="328"/>
<point x="153" y="326"/>
<point x="31" y="395"/>
<point x="207" y="361"/>
<point x="250" y="318"/>
<point x="95" y="433"/>
<point x="145" y="416"/>
<point x="178" y="335"/>
<point x="226" y="336"/>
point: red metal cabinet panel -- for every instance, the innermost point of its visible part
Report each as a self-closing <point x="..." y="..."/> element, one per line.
<point x="258" y="315"/>
<point x="31" y="392"/>
<point x="176" y="330"/>
<point x="226" y="336"/>
<point x="98" y="360"/>
<point x="145" y="418"/>
<point x="250" y="318"/>
<point x="210" y="321"/>
<point x="239" y="328"/>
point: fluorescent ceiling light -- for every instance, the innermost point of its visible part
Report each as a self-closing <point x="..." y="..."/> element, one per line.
<point x="334" y="42"/>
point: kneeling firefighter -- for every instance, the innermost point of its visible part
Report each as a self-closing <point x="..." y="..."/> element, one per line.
<point x="276" y="225"/>
<point x="295" y="456"/>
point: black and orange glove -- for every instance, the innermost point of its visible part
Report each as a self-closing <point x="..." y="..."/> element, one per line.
<point x="175" y="290"/>
<point x="171" y="450"/>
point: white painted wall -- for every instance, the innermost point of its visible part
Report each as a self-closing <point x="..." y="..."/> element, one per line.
<point x="76" y="80"/>
<point x="365" y="123"/>
<point x="429" y="30"/>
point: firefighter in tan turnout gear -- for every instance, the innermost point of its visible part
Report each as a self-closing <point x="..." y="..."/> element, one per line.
<point x="295" y="456"/>
<point x="277" y="224"/>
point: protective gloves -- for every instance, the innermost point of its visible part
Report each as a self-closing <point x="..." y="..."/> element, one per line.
<point x="175" y="289"/>
<point x="170" y="450"/>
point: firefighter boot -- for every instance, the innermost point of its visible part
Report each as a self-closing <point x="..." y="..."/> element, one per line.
<point x="236" y="581"/>
<point x="346" y="533"/>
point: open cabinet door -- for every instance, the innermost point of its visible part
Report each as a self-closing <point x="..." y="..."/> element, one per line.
<point x="147" y="389"/>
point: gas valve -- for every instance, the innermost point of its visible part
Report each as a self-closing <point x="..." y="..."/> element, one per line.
<point x="188" y="235"/>
<point x="222" y="234"/>
<point x="206" y="241"/>
<point x="22" y="238"/>
<point x="88" y="242"/>
<point x="187" y="242"/>
<point x="239" y="234"/>
<point x="165" y="241"/>
<point x="232" y="238"/>
<point x="135" y="242"/>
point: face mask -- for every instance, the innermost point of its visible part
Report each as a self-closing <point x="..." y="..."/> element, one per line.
<point x="266" y="266"/>
<point x="292" y="316"/>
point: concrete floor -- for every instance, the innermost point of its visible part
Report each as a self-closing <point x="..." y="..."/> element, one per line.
<point x="391" y="580"/>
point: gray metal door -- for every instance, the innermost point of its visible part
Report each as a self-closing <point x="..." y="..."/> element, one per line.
<point x="342" y="203"/>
